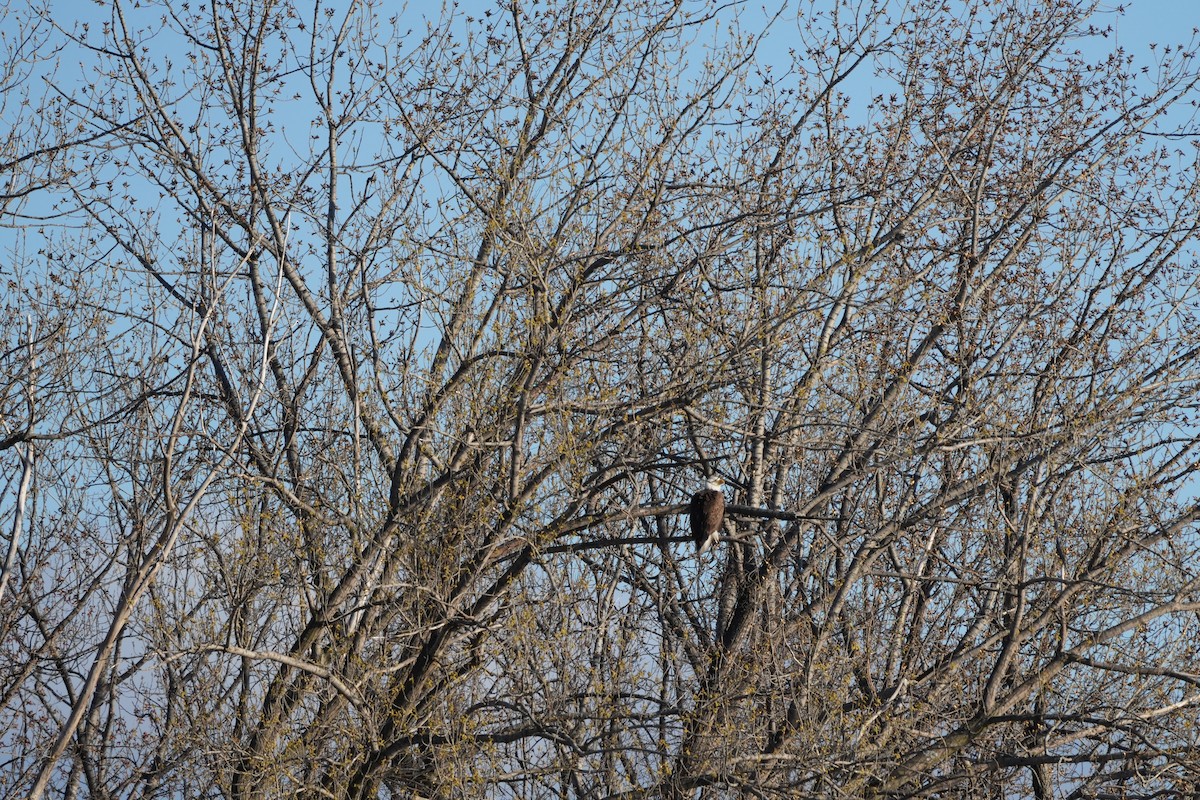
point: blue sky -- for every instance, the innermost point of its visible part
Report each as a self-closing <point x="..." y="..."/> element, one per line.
<point x="1157" y="21"/>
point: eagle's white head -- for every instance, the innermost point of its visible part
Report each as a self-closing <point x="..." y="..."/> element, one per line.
<point x="716" y="483"/>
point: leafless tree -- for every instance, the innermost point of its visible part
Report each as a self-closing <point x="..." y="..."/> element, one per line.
<point x="364" y="363"/>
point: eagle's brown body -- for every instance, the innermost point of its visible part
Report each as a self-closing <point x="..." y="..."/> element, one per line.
<point x="707" y="511"/>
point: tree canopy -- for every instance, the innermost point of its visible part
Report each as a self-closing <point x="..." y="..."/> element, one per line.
<point x="356" y="366"/>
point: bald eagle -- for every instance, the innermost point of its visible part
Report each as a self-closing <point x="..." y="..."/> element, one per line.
<point x="707" y="510"/>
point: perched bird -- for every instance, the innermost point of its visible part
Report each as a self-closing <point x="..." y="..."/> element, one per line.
<point x="707" y="511"/>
